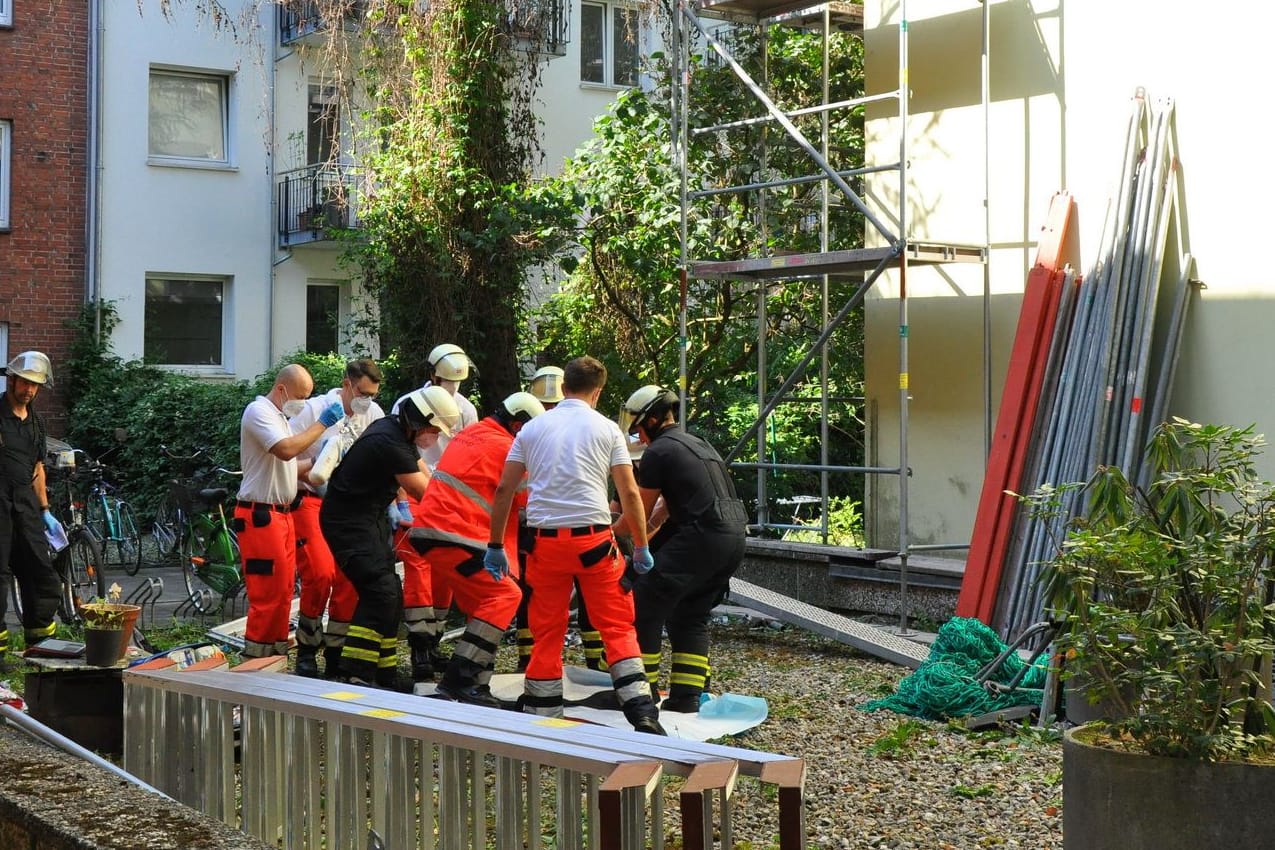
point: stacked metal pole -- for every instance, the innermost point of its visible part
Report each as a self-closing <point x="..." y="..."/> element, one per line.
<point x="1113" y="359"/>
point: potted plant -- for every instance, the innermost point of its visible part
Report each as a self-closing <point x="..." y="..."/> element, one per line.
<point x="1168" y="596"/>
<point x="108" y="628"/>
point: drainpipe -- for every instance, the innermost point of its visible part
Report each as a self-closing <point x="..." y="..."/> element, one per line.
<point x="92" y="260"/>
<point x="272" y="28"/>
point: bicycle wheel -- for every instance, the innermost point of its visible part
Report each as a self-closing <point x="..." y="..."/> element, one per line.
<point x="169" y="527"/>
<point x="80" y="567"/>
<point x="130" y="540"/>
<point x="213" y="564"/>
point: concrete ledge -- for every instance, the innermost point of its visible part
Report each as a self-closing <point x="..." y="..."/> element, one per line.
<point x="862" y="581"/>
<point x="52" y="801"/>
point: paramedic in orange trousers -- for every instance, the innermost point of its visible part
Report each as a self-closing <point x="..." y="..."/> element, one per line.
<point x="566" y="455"/>
<point x="263" y="511"/>
<point x="450" y="536"/>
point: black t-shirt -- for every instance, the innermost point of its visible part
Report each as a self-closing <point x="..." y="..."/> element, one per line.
<point x="365" y="482"/>
<point x="672" y="468"/>
<point x="24" y="445"/>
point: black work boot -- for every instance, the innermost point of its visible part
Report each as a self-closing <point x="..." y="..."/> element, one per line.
<point x="332" y="662"/>
<point x="422" y="659"/>
<point x="307" y="662"/>
<point x="645" y="717"/>
<point x="460" y="684"/>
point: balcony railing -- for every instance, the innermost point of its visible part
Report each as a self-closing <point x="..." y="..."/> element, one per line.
<point x="301" y="18"/>
<point x="539" y="26"/>
<point x="315" y="202"/>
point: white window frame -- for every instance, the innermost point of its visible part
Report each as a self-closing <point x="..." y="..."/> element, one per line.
<point x="6" y="13"/>
<point x="226" y="82"/>
<point x="6" y="178"/>
<point x="609" y="10"/>
<point x="227" y="290"/>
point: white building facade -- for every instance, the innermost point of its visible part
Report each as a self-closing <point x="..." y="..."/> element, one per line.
<point x="217" y="184"/>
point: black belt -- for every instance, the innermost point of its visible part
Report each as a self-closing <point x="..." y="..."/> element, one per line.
<point x="302" y="494"/>
<point x="578" y="531"/>
<point x="268" y="506"/>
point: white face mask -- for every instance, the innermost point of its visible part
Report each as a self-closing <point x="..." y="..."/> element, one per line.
<point x="292" y="407"/>
<point x="360" y="405"/>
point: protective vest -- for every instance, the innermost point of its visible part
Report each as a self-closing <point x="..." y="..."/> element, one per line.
<point x="456" y="507"/>
<point x="726" y="509"/>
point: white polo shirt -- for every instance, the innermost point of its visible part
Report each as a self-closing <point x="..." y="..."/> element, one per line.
<point x="568" y="453"/>
<point x="468" y="416"/>
<point x="265" y="477"/>
<point x="310" y="414"/>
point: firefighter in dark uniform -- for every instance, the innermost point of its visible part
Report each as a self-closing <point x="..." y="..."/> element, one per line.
<point x="24" y="503"/>
<point x="356" y="526"/>
<point x="700" y="545"/>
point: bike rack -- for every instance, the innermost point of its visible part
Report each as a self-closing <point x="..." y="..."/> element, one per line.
<point x="145" y="595"/>
<point x="188" y="609"/>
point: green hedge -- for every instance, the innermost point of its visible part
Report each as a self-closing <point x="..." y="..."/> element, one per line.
<point x="151" y="407"/>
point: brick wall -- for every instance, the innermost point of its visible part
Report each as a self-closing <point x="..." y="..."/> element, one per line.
<point x="44" y="93"/>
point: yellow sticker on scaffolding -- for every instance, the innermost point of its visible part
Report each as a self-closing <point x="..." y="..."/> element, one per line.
<point x="383" y="713"/>
<point x="556" y="722"/>
<point x="903" y="380"/>
<point x="345" y="696"/>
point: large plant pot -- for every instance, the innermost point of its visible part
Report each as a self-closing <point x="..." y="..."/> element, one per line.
<point x="1129" y="801"/>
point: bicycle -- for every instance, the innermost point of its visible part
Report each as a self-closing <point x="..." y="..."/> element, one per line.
<point x="191" y="523"/>
<point x="112" y="519"/>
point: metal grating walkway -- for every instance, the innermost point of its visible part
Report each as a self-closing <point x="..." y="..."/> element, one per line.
<point x="861" y="636"/>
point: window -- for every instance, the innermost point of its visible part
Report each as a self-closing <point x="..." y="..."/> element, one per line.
<point x="323" y="129"/>
<point x="6" y="137"/>
<point x="184" y="320"/>
<point x="608" y="44"/>
<point x="6" y="13"/>
<point x="322" y="318"/>
<point x="189" y="116"/>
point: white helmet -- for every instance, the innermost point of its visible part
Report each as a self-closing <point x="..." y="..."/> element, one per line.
<point x="546" y="384"/>
<point x="32" y="365"/>
<point x="450" y="362"/>
<point x="431" y="407"/>
<point x="522" y="407"/>
<point x="650" y="400"/>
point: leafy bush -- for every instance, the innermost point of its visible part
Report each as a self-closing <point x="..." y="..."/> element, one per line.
<point x="1166" y="592"/>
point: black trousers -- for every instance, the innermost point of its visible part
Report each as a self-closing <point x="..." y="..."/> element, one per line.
<point x="691" y="576"/>
<point x="24" y="555"/>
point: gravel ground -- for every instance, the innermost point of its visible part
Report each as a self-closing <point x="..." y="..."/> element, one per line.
<point x="879" y="779"/>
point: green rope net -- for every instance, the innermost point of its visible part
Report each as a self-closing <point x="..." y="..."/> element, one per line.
<point x="944" y="685"/>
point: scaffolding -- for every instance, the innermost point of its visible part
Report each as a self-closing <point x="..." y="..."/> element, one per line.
<point x="886" y="248"/>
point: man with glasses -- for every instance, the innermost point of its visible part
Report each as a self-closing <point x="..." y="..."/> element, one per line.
<point x="322" y="585"/>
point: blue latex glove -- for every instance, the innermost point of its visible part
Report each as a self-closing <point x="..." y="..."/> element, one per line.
<point x="643" y="560"/>
<point x="396" y="519"/>
<point x="332" y="414"/>
<point x="51" y="523"/>
<point x="496" y="563"/>
<point x="404" y="508"/>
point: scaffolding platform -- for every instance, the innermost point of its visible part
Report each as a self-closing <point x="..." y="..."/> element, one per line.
<point x="850" y="263"/>
<point x="870" y="639"/>
<point x="794" y="13"/>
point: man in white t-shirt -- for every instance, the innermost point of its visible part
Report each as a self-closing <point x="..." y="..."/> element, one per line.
<point x="323" y="586"/>
<point x="567" y="454"/>
<point x="268" y="449"/>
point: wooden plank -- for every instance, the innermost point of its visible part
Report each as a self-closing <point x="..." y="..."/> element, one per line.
<point x="1014" y="419"/>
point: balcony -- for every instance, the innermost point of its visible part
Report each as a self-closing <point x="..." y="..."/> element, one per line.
<point x="541" y="27"/>
<point x="316" y="202"/>
<point x="301" y="19"/>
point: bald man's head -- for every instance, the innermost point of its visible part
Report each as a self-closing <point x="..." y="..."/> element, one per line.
<point x="296" y="379"/>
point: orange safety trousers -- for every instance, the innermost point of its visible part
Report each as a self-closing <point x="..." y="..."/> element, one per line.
<point x="323" y="586"/>
<point x="478" y="595"/>
<point x="553" y="567"/>
<point x="420" y="588"/>
<point x="269" y="556"/>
